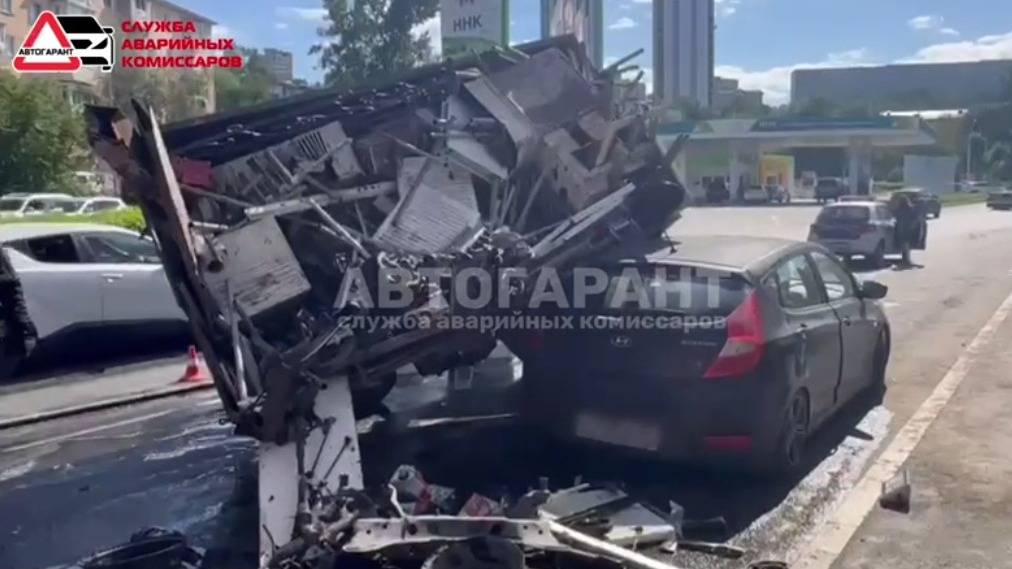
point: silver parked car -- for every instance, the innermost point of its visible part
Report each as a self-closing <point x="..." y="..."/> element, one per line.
<point x="865" y="228"/>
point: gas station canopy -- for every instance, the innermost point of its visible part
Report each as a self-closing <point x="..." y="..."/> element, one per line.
<point x="807" y="132"/>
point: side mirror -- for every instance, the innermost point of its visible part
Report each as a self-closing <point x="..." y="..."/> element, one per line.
<point x="873" y="290"/>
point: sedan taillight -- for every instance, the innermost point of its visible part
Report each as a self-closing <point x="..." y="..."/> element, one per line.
<point x="743" y="349"/>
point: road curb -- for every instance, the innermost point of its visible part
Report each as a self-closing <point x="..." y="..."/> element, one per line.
<point x="170" y="391"/>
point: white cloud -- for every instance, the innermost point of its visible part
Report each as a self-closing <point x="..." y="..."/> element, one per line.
<point x="926" y="22"/>
<point x="314" y="15"/>
<point x="643" y="1"/>
<point x="648" y="79"/>
<point x="986" y="47"/>
<point x="434" y="29"/>
<point x="280" y="26"/>
<point x="931" y="23"/>
<point x="221" y="31"/>
<point x="623" y="23"/>
<point x="727" y="8"/>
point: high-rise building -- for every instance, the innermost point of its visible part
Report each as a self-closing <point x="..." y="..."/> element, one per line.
<point x="683" y="51"/>
<point x="582" y="18"/>
<point x="279" y="64"/>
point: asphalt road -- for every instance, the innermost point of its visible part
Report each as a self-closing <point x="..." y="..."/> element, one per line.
<point x="74" y="485"/>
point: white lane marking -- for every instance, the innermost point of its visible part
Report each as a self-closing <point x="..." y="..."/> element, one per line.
<point x="82" y="432"/>
<point x="829" y="541"/>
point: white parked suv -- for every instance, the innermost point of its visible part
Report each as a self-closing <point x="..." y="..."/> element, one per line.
<point x="865" y="228"/>
<point x="95" y="205"/>
<point x="22" y="205"/>
<point x="79" y="277"/>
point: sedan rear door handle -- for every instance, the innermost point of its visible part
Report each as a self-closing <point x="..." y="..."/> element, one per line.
<point x="112" y="276"/>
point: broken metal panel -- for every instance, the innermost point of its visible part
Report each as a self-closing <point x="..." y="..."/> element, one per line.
<point x="331" y="461"/>
<point x="374" y="535"/>
<point x="437" y="211"/>
<point x="519" y="126"/>
<point x="269" y="174"/>
<point x="575" y="182"/>
<point x="637" y="525"/>
<point x="579" y="500"/>
<point x="547" y="88"/>
<point x="256" y="262"/>
<point x="333" y="197"/>
<point x="464" y="146"/>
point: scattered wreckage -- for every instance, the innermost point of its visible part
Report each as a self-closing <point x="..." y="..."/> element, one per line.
<point x="524" y="158"/>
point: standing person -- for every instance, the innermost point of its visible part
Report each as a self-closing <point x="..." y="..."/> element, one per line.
<point x="17" y="335"/>
<point x="906" y="225"/>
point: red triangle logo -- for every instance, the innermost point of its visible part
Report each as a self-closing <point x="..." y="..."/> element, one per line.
<point x="46" y="19"/>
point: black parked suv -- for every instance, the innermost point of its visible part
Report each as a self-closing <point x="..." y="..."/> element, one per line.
<point x="829" y="189"/>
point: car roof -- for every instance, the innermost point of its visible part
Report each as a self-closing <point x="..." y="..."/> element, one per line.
<point x="750" y="255"/>
<point x="15" y="231"/>
<point x="38" y="195"/>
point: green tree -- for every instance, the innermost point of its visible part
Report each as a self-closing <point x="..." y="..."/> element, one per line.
<point x="234" y="88"/>
<point x="175" y="94"/>
<point x="41" y="136"/>
<point x="373" y="40"/>
<point x="998" y="159"/>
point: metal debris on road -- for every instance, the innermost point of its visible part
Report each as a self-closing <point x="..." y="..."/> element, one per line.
<point x="278" y="225"/>
<point x="896" y="493"/>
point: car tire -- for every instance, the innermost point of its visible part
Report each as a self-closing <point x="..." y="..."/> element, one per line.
<point x="877" y="258"/>
<point x="788" y="454"/>
<point x="876" y="389"/>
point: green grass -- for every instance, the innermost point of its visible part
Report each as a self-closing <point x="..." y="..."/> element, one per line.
<point x="130" y="218"/>
<point x="962" y="198"/>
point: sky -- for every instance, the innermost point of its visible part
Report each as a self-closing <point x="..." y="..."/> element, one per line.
<point x="758" y="42"/>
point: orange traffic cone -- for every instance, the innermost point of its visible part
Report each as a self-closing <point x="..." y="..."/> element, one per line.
<point x="196" y="371"/>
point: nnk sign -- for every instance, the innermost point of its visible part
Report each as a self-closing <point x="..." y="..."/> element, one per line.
<point x="474" y="25"/>
<point x="69" y="43"/>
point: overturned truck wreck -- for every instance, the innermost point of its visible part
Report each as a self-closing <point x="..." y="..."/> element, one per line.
<point x="279" y="224"/>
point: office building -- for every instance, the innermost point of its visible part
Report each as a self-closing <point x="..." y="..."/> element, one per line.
<point x="907" y="86"/>
<point x="683" y="51"/>
<point x="582" y="18"/>
<point x="728" y="96"/>
<point x="280" y="64"/>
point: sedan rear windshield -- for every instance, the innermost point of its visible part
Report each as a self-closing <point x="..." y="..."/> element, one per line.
<point x="670" y="288"/>
<point x="845" y="214"/>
